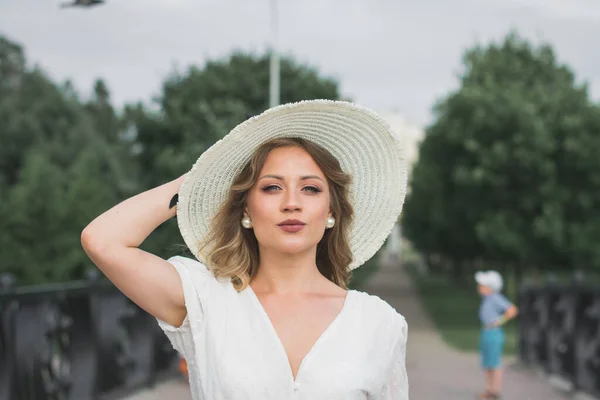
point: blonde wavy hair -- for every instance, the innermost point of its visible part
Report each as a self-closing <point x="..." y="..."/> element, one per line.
<point x="234" y="249"/>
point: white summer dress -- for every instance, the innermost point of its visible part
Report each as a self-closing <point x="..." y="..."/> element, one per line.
<point x="233" y="351"/>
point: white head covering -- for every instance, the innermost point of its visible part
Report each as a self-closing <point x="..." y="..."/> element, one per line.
<point x="491" y="279"/>
<point x="363" y="142"/>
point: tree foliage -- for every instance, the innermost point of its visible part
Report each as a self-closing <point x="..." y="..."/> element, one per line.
<point x="507" y="173"/>
<point x="64" y="160"/>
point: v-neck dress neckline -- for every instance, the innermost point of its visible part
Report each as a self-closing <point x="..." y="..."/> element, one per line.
<point x="314" y="348"/>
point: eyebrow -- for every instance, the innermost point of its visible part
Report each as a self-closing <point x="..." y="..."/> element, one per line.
<point x="280" y="178"/>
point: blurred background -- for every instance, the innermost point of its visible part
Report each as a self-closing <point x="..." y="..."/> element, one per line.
<point x="497" y="102"/>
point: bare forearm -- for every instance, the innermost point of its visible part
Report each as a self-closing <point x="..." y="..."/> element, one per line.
<point x="511" y="313"/>
<point x="130" y="222"/>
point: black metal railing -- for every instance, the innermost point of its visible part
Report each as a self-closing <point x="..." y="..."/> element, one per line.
<point x="77" y="341"/>
<point x="560" y="332"/>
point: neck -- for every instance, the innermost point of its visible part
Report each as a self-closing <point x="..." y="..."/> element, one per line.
<point x="284" y="273"/>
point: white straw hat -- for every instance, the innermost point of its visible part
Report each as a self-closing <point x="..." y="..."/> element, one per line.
<point x="364" y="144"/>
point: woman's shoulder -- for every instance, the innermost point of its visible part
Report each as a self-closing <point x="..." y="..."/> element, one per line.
<point x="197" y="271"/>
<point x="188" y="263"/>
<point x="377" y="311"/>
<point x="191" y="267"/>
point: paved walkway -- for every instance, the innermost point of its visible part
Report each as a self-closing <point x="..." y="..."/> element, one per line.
<point x="172" y="390"/>
<point x="435" y="371"/>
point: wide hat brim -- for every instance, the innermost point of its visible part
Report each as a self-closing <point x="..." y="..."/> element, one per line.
<point x="363" y="142"/>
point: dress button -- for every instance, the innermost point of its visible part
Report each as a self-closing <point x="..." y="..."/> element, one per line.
<point x="296" y="385"/>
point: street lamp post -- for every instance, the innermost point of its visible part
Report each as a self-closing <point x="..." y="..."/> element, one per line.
<point x="274" y="66"/>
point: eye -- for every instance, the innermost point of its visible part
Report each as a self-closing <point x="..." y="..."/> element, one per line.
<point x="270" y="188"/>
<point x="312" y="189"/>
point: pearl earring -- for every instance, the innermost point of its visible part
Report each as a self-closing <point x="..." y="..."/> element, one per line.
<point x="246" y="223"/>
<point x="330" y="222"/>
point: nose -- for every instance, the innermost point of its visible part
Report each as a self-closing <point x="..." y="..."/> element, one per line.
<point x="290" y="201"/>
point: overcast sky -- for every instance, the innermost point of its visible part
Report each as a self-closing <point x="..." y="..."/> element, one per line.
<point x="390" y="55"/>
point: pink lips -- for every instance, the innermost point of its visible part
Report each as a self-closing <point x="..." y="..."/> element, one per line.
<point x="291" y="225"/>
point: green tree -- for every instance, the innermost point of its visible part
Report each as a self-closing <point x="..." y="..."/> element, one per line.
<point x="57" y="156"/>
<point x="105" y="120"/>
<point x="34" y="223"/>
<point x="201" y="106"/>
<point x="65" y="160"/>
<point x="504" y="161"/>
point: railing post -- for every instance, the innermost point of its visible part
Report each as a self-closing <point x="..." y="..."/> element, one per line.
<point x="7" y="328"/>
<point x="587" y="344"/>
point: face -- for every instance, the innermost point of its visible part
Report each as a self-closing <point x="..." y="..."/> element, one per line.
<point x="484" y="290"/>
<point x="289" y="204"/>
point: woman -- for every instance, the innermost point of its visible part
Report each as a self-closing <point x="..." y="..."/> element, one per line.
<point x="277" y="214"/>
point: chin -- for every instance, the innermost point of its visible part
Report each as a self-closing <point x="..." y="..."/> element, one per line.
<point x="293" y="246"/>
